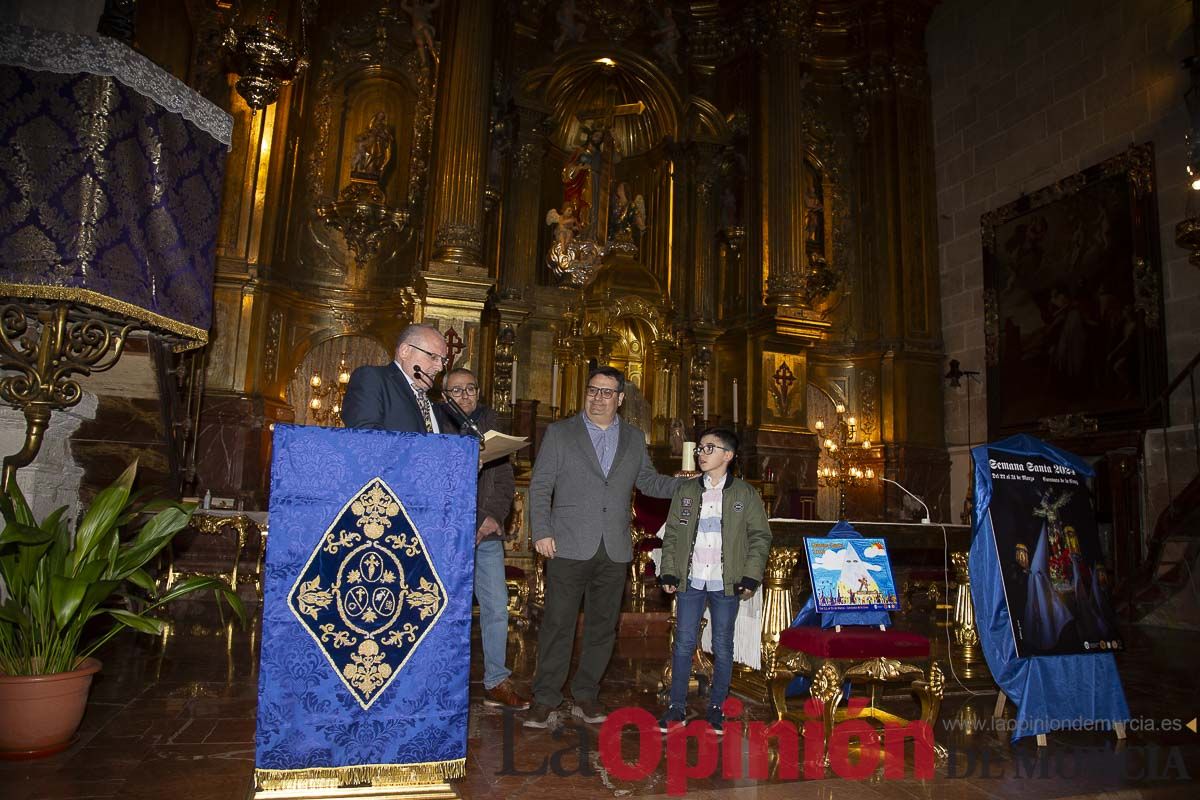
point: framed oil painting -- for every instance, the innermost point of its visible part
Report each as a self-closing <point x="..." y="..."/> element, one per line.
<point x="1073" y="302"/>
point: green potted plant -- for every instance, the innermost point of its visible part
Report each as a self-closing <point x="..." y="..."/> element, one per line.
<point x="66" y="593"/>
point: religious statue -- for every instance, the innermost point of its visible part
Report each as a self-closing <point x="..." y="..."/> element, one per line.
<point x="628" y="215"/>
<point x="570" y="28"/>
<point x="421" y="12"/>
<point x="582" y="177"/>
<point x="372" y="149"/>
<point x="667" y="35"/>
<point x="814" y="217"/>
<point x="564" y="223"/>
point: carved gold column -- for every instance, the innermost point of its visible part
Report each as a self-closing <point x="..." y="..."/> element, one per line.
<point x="786" y="257"/>
<point x="524" y="216"/>
<point x="899" y="294"/>
<point x="455" y="279"/>
<point x="703" y="300"/>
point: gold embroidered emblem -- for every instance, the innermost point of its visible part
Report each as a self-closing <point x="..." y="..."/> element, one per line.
<point x="368" y="599"/>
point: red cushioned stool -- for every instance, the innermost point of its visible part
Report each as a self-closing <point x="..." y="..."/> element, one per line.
<point x="861" y="655"/>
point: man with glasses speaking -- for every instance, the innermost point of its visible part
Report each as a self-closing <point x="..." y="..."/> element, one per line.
<point x="579" y="499"/>
<point x="393" y="397"/>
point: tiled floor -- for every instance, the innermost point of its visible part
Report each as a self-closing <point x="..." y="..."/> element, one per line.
<point x="178" y="722"/>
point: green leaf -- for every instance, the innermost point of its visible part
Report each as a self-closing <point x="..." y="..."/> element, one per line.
<point x="20" y="533"/>
<point x="13" y="505"/>
<point x="13" y="613"/>
<point x="150" y="540"/>
<point x="101" y="517"/>
<point x="142" y="579"/>
<point x="98" y="592"/>
<point x="137" y="621"/>
<point x="65" y="596"/>
<point x="195" y="584"/>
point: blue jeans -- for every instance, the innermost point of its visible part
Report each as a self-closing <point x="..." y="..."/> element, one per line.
<point x="492" y="595"/>
<point x="689" y="609"/>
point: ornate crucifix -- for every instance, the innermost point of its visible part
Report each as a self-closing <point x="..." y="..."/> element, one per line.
<point x="604" y="118"/>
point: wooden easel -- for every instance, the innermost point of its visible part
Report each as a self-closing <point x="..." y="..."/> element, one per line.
<point x="1001" y="699"/>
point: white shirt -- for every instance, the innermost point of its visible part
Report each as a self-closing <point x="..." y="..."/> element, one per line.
<point x="706" y="572"/>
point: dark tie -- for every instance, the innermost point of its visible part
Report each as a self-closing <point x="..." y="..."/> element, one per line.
<point x="423" y="404"/>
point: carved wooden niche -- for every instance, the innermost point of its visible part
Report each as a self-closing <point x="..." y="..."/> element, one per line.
<point x="370" y="76"/>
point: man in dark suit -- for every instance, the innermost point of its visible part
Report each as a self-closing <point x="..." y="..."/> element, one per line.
<point x="579" y="497"/>
<point x="492" y="504"/>
<point x="393" y="397"/>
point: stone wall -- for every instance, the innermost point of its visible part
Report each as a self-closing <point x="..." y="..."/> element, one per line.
<point x="1026" y="93"/>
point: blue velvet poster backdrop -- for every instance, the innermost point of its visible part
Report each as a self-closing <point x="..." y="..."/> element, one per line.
<point x="366" y="609"/>
<point x="1051" y="692"/>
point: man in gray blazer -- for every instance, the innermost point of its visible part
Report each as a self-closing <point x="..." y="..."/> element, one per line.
<point x="579" y="498"/>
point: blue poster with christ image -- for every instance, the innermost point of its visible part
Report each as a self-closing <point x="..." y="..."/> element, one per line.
<point x="851" y="575"/>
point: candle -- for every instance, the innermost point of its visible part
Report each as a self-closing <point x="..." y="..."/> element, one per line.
<point x="705" y="405"/>
<point x="689" y="456"/>
<point x="554" y="384"/>
<point x="512" y="382"/>
<point x="735" y="408"/>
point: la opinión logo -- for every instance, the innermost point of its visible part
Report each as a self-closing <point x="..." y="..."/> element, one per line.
<point x="855" y="747"/>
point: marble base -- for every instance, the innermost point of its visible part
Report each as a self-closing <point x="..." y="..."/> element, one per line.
<point x="53" y="479"/>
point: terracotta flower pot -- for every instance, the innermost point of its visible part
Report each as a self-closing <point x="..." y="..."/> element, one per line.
<point x="40" y="713"/>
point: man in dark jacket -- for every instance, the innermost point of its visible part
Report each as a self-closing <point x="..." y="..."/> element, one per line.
<point x="493" y="502"/>
<point x="392" y="397"/>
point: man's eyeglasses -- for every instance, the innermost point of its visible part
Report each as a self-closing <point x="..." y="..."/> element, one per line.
<point x="470" y="390"/>
<point x="601" y="391"/>
<point x="439" y="359"/>
<point x="708" y="448"/>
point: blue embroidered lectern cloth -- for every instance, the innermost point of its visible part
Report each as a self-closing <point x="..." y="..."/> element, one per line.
<point x="366" y="609"/>
<point x="1051" y="692"/>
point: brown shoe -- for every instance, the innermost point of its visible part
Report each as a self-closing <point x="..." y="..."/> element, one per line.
<point x="503" y="695"/>
<point x="589" y="711"/>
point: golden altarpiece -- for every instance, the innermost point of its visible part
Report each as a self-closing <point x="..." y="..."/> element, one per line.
<point x="723" y="199"/>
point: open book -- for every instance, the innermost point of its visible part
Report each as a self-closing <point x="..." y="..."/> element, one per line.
<point x="497" y="445"/>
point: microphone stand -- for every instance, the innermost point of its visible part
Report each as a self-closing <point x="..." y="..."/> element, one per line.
<point x="462" y="417"/>
<point x="928" y="516"/>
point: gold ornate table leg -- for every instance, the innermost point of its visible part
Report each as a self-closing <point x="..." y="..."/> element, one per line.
<point x="826" y="689"/>
<point x="929" y="692"/>
<point x="966" y="635"/>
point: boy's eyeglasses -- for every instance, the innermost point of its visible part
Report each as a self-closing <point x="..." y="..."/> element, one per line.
<point x="601" y="391"/>
<point x="708" y="448"/>
<point x="470" y="390"/>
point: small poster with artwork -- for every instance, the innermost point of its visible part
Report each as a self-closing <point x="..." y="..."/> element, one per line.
<point x="851" y="575"/>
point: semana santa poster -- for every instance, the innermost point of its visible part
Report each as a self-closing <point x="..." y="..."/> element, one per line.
<point x="851" y="575"/>
<point x="1048" y="547"/>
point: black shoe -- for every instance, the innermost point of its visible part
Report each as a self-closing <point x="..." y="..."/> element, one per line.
<point x="674" y="716"/>
<point x="717" y="720"/>
<point x="590" y="711"/>
<point x="539" y="716"/>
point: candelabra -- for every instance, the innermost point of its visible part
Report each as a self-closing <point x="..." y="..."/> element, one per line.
<point x="839" y="450"/>
<point x="325" y="396"/>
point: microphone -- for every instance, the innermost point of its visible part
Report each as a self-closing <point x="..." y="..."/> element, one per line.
<point x="462" y="417"/>
<point x="459" y="414"/>
<point x="928" y="516"/>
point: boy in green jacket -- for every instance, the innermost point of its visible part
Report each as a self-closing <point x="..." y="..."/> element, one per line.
<point x="714" y="552"/>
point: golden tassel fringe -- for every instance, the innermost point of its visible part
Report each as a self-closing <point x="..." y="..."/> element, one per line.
<point x="361" y="775"/>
